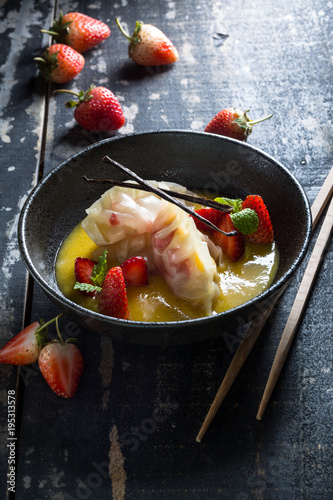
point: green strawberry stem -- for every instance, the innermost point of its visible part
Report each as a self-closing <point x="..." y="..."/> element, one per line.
<point x="41" y="331"/>
<point x="58" y="332"/>
<point x="134" y="38"/>
<point x="62" y="342"/>
<point x="52" y="33"/>
<point x="82" y="96"/>
<point x="45" y="325"/>
<point x="39" y="59"/>
<point x="59" y="30"/>
<point x="253" y="122"/>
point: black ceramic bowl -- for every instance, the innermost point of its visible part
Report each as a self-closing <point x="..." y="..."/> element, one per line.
<point x="196" y="160"/>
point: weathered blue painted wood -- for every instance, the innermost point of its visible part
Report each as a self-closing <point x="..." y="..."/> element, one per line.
<point x="22" y="109"/>
<point x="129" y="433"/>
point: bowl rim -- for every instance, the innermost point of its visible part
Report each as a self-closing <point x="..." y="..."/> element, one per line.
<point x="58" y="296"/>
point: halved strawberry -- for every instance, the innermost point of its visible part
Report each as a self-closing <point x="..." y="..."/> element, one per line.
<point x="24" y="348"/>
<point x="61" y="364"/>
<point x="112" y="300"/>
<point x="264" y="234"/>
<point x="135" y="271"/>
<point x="211" y="214"/>
<point x="233" y="246"/>
<point x="83" y="269"/>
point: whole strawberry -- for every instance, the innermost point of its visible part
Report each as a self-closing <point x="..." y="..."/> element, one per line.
<point x="112" y="300"/>
<point x="97" y="109"/>
<point x="60" y="63"/>
<point x="149" y="46"/>
<point x="233" y="123"/>
<point x="79" y="31"/>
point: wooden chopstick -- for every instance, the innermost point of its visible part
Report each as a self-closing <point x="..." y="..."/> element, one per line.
<point x="165" y="195"/>
<point x="257" y="325"/>
<point x="236" y="364"/>
<point x="298" y="308"/>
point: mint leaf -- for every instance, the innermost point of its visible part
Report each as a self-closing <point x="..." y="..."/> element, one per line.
<point x="100" y="270"/>
<point x="246" y="221"/>
<point x="86" y="287"/>
<point x="236" y="204"/>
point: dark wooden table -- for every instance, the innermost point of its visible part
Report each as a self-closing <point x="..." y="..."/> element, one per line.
<point x="107" y="441"/>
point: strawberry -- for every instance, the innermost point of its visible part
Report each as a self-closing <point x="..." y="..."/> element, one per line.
<point x="97" y="109"/>
<point x="24" y="348"/>
<point x="61" y="364"/>
<point x="233" y="123"/>
<point x="211" y="214"/>
<point x="112" y="300"/>
<point x="149" y="46"/>
<point x="79" y="31"/>
<point x="264" y="234"/>
<point x="83" y="269"/>
<point x="135" y="271"/>
<point x="60" y="63"/>
<point x="233" y="246"/>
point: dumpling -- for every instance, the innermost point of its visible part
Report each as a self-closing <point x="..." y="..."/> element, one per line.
<point x="121" y="221"/>
<point x="182" y="256"/>
<point x="123" y="212"/>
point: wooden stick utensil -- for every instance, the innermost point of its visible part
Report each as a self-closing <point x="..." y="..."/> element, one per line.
<point x="198" y="200"/>
<point x="257" y="325"/>
<point x="164" y="195"/>
<point x="298" y="308"/>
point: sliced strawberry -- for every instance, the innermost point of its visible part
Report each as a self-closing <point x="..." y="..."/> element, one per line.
<point x="61" y="364"/>
<point x="211" y="214"/>
<point x="135" y="271"/>
<point x="83" y="269"/>
<point x="264" y="234"/>
<point x="112" y="300"/>
<point x="23" y="349"/>
<point x="233" y="246"/>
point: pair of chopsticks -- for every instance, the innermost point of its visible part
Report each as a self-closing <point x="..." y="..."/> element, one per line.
<point x="296" y="312"/>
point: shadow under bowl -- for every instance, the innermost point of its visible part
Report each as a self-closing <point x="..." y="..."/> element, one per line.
<point x="214" y="165"/>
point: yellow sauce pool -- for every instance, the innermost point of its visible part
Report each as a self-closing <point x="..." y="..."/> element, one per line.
<point x="239" y="281"/>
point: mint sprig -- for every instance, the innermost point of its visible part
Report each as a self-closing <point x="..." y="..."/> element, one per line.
<point x="245" y="220"/>
<point x="87" y="287"/>
<point x="100" y="270"/>
<point x="236" y="204"/>
<point x="97" y="276"/>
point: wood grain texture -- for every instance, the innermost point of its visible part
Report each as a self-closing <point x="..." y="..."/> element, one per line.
<point x="21" y="111"/>
<point x="130" y="431"/>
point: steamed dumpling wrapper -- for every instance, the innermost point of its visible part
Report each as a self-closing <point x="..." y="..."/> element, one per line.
<point x="182" y="256"/>
<point x="122" y="213"/>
